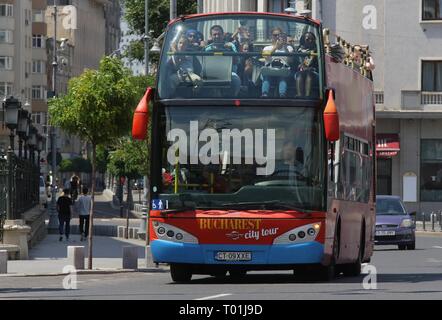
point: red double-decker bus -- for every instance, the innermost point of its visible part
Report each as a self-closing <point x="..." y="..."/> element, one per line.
<point x="262" y="152"/>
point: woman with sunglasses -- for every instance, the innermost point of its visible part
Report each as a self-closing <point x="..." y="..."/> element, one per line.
<point x="279" y="45"/>
<point x="307" y="75"/>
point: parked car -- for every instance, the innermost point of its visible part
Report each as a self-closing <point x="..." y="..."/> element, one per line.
<point x="43" y="192"/>
<point x="394" y="226"/>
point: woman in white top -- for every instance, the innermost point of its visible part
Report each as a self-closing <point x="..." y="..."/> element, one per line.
<point x="279" y="45"/>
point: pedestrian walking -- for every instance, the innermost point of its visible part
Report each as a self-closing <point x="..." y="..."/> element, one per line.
<point x="83" y="207"/>
<point x="75" y="184"/>
<point x="64" y="208"/>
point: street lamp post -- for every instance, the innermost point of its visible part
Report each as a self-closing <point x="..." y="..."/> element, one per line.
<point x="52" y="225"/>
<point x="22" y="131"/>
<point x="11" y="108"/>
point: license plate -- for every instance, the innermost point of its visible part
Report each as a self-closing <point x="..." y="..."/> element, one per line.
<point x="233" y="256"/>
<point x="385" y="233"/>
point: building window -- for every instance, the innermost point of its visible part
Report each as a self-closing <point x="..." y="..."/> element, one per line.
<point x="5" y="36"/>
<point x="431" y="9"/>
<point x="5" y="63"/>
<point x="432" y="76"/>
<point x="38" y="66"/>
<point x="6" y="10"/>
<point x="5" y="89"/>
<point x="431" y="170"/>
<point x="38" y="41"/>
<point x="38" y="16"/>
<point x="38" y="92"/>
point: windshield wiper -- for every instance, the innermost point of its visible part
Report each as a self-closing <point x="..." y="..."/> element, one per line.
<point x="178" y="210"/>
<point x="273" y="204"/>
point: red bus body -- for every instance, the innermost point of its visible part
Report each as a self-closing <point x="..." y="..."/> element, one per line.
<point x="341" y="230"/>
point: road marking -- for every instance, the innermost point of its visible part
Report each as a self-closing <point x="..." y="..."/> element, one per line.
<point x="437" y="247"/>
<point x="214" y="297"/>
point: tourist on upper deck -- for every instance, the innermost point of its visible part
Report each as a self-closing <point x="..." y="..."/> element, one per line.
<point x="277" y="68"/>
<point x="196" y="40"/>
<point x="307" y="75"/>
<point x="220" y="44"/>
<point x="183" y="69"/>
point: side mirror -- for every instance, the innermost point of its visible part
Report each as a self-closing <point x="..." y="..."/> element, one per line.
<point x="331" y="118"/>
<point x="412" y="213"/>
<point x="141" y="116"/>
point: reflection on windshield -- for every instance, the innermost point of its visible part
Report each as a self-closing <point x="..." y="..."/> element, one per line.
<point x="389" y="207"/>
<point x="241" y="57"/>
<point x="217" y="155"/>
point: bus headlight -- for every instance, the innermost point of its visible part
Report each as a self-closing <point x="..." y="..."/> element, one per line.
<point x="167" y="232"/>
<point x="301" y="234"/>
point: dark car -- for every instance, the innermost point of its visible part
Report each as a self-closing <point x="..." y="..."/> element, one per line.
<point x="394" y="226"/>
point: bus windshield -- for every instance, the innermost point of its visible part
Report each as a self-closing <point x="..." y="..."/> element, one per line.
<point x="213" y="157"/>
<point x="241" y="56"/>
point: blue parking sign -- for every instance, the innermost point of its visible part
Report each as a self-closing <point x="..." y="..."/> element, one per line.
<point x="158" y="204"/>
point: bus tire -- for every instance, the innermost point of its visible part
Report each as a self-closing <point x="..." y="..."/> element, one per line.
<point x="328" y="273"/>
<point x="237" y="274"/>
<point x="180" y="273"/>
<point x="354" y="269"/>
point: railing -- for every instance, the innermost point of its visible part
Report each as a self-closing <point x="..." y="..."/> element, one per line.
<point x="379" y="97"/>
<point x="19" y="184"/>
<point x="26" y="186"/>
<point x="3" y="192"/>
<point x="431" y="98"/>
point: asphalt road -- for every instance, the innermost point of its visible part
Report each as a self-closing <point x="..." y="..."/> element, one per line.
<point x="400" y="275"/>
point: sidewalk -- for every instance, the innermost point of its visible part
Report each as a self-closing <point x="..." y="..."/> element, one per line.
<point x="49" y="256"/>
<point x="110" y="196"/>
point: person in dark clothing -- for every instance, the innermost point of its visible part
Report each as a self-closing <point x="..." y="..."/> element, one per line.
<point x="75" y="184"/>
<point x="64" y="204"/>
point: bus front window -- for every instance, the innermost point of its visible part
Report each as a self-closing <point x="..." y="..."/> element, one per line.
<point x="241" y="57"/>
<point x="227" y="155"/>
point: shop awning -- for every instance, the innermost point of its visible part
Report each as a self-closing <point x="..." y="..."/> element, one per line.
<point x="387" y="145"/>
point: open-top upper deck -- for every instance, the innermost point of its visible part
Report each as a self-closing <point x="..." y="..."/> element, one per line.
<point x="243" y="55"/>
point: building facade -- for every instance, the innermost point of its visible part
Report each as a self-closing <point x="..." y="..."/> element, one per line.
<point x="92" y="30"/>
<point x="405" y="37"/>
<point x="16" y="49"/>
<point x="405" y="40"/>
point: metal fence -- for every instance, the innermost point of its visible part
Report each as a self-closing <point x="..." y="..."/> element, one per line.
<point x="19" y="187"/>
<point x="3" y="193"/>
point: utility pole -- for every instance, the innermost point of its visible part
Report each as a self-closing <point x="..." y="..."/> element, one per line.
<point x="173" y="12"/>
<point x="200" y="6"/>
<point x="52" y="226"/>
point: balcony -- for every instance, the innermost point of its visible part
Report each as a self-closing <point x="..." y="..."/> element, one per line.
<point x="431" y="98"/>
<point x="421" y="100"/>
<point x="379" y="97"/>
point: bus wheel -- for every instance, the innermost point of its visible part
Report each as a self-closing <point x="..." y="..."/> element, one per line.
<point x="328" y="273"/>
<point x="354" y="269"/>
<point x="237" y="274"/>
<point x="180" y="273"/>
<point x="219" y="274"/>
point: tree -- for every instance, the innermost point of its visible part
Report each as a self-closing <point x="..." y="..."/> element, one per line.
<point x="159" y="11"/>
<point x="98" y="108"/>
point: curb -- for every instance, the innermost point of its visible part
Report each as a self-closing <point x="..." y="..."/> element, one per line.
<point x="429" y="233"/>
<point x="86" y="272"/>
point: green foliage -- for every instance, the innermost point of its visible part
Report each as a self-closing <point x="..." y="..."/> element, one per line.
<point x="159" y="12"/>
<point x="99" y="104"/>
<point x="130" y="159"/>
<point x="102" y="158"/>
<point x="76" y="165"/>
